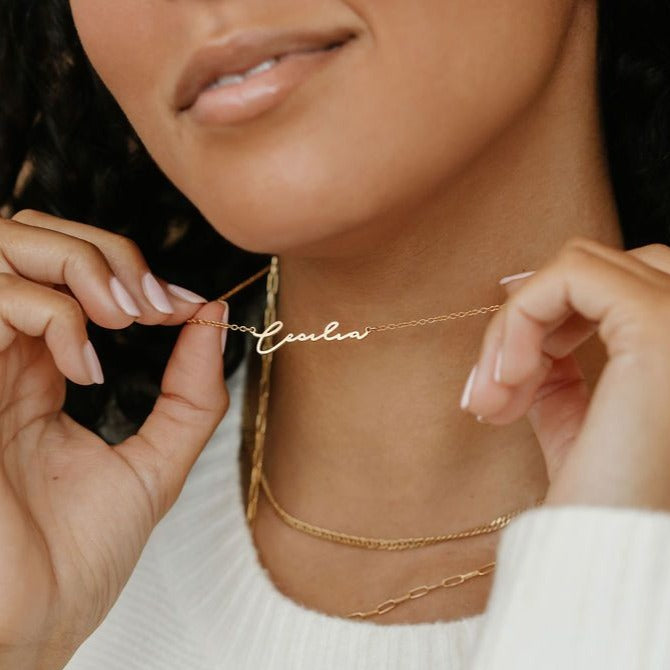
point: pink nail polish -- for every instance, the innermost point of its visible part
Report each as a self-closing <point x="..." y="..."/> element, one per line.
<point x="93" y="363"/>
<point x="467" y="391"/>
<point x="185" y="294"/>
<point x="155" y="294"/>
<point x="511" y="278"/>
<point x="224" y="331"/>
<point x="123" y="299"/>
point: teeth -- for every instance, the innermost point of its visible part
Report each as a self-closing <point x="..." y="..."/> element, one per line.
<point x="231" y="79"/>
<point x="228" y="80"/>
<point x="261" y="67"/>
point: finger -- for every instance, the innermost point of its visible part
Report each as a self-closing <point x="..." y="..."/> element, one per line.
<point x="65" y="290"/>
<point x="576" y="330"/>
<point x="555" y="399"/>
<point x="655" y="255"/>
<point x="516" y="401"/>
<point x="53" y="258"/>
<point x="192" y="402"/>
<point x="649" y="263"/>
<point x="512" y="282"/>
<point x="158" y="301"/>
<point x="557" y="411"/>
<point x="39" y="311"/>
<point x="567" y="337"/>
<point x="555" y="403"/>
<point x="589" y="279"/>
<point x="501" y="404"/>
<point x="491" y="397"/>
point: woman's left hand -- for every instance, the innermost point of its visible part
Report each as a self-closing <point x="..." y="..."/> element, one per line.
<point x="611" y="447"/>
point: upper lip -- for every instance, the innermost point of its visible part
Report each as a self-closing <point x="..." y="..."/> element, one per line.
<point x="242" y="50"/>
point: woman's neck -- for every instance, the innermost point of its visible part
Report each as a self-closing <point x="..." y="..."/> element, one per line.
<point x="368" y="436"/>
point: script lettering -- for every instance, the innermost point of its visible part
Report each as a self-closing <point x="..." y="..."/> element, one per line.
<point x="327" y="334"/>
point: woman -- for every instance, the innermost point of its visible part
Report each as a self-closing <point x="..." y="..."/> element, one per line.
<point x="402" y="160"/>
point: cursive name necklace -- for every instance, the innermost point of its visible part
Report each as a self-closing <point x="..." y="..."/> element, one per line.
<point x="266" y="338"/>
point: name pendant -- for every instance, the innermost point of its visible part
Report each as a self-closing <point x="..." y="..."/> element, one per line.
<point x="328" y="335"/>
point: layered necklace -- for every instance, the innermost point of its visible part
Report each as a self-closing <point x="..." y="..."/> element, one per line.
<point x="269" y="340"/>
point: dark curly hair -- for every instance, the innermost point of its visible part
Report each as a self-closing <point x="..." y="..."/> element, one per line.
<point x="89" y="165"/>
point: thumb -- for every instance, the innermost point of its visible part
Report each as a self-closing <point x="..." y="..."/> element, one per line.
<point x="560" y="404"/>
<point x="192" y="402"/>
<point x="558" y="410"/>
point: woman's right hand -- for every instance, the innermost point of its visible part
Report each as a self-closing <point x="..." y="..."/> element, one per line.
<point x="75" y="513"/>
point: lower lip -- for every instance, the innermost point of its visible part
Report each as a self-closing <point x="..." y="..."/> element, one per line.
<point x="260" y="93"/>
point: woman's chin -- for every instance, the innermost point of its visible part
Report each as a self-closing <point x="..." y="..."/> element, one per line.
<point x="285" y="240"/>
<point x="267" y="237"/>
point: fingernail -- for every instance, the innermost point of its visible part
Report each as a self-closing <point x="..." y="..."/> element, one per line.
<point x="224" y="331"/>
<point x="467" y="391"/>
<point x="511" y="278"/>
<point x="497" y="368"/>
<point x="155" y="294"/>
<point x="481" y="419"/>
<point x="123" y="299"/>
<point x="93" y="363"/>
<point x="185" y="294"/>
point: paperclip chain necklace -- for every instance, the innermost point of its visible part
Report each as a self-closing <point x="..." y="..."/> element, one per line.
<point x="258" y="479"/>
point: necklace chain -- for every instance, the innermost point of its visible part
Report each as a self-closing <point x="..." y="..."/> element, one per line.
<point x="385" y="544"/>
<point x="424" y="590"/>
<point x="272" y="285"/>
<point x="258" y="480"/>
<point x="271" y="271"/>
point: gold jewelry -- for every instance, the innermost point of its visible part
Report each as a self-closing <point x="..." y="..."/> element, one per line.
<point x="420" y="591"/>
<point x="258" y="479"/>
<point x="382" y="543"/>
<point x="270" y="320"/>
<point x="266" y="346"/>
<point x="272" y="286"/>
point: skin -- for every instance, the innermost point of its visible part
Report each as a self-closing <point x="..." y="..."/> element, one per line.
<point x="470" y="153"/>
<point x="274" y="191"/>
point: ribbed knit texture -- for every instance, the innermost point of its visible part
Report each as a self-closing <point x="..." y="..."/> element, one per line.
<point x="575" y="587"/>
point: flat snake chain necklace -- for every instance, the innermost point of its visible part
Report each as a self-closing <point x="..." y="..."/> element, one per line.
<point x="266" y="346"/>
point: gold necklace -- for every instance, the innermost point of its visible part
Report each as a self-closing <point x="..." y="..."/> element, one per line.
<point x="258" y="480"/>
<point x="385" y="544"/>
<point x="271" y="328"/>
<point x="266" y="345"/>
<point x="424" y="590"/>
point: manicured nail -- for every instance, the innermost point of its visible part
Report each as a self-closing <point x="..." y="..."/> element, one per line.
<point x="123" y="299"/>
<point x="497" y="368"/>
<point x="93" y="363"/>
<point x="155" y="294"/>
<point x="511" y="278"/>
<point x="467" y="391"/>
<point x="185" y="294"/>
<point x="224" y="331"/>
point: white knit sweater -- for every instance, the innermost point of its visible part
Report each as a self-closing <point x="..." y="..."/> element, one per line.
<point x="575" y="587"/>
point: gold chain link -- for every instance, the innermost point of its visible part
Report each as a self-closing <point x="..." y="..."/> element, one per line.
<point x="435" y="319"/>
<point x="258" y="479"/>
<point x="220" y="324"/>
<point x="243" y="284"/>
<point x="424" y="590"/>
<point x="272" y="286"/>
<point x="370" y="329"/>
<point x="272" y="289"/>
<point x="385" y="544"/>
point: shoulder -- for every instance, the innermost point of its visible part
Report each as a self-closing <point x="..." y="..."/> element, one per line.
<point x="584" y="586"/>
